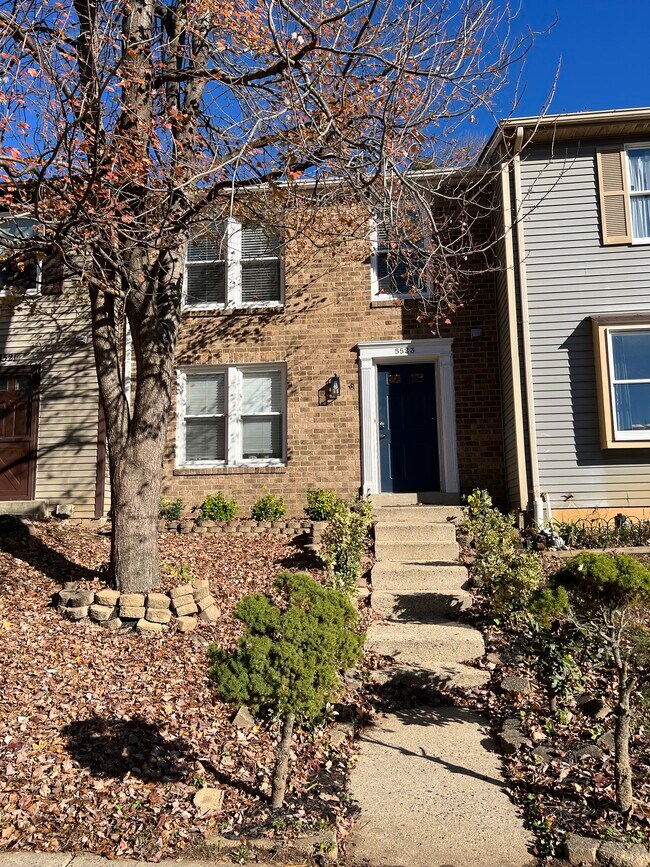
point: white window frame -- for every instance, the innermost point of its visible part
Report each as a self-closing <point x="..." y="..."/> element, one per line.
<point x="233" y="415"/>
<point x="376" y="292"/>
<point x="622" y="435"/>
<point x="630" y="193"/>
<point x="233" y="279"/>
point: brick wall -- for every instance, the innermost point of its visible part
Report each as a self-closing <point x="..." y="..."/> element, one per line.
<point x="327" y="312"/>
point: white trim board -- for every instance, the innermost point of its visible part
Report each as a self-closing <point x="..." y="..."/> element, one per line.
<point x="436" y="350"/>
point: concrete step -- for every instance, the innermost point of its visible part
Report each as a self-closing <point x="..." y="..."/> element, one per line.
<point x="414" y="533"/>
<point x="421" y="607"/>
<point x="417" y="552"/>
<point x="418" y="577"/>
<point x="426" y="645"/>
<point x="429" y="497"/>
<point x="416" y="514"/>
<point x="409" y="678"/>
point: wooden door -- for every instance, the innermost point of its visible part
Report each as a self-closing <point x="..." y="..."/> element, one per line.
<point x="18" y="433"/>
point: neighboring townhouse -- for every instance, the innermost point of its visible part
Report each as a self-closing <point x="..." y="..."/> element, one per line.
<point x="574" y="311"/>
<point x="300" y="371"/>
<point x="52" y="443"/>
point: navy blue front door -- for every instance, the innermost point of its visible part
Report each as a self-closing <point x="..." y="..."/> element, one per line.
<point x="408" y="428"/>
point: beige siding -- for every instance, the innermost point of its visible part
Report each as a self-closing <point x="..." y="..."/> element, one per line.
<point x="572" y="276"/>
<point x="42" y="332"/>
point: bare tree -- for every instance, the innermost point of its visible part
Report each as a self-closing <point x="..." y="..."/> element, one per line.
<point x="125" y="126"/>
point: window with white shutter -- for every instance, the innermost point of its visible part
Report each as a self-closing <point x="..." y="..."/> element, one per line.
<point x="231" y="416"/>
<point x="236" y="265"/>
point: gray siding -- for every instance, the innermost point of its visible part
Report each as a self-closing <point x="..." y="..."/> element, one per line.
<point x="42" y="332"/>
<point x="571" y="277"/>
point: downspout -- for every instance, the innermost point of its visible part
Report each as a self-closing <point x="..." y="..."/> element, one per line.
<point x="538" y="503"/>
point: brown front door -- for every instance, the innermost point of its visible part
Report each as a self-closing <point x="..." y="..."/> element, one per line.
<point x="18" y="433"/>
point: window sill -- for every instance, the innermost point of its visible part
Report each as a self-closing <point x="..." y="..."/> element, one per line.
<point x="252" y="469"/>
<point x="197" y="312"/>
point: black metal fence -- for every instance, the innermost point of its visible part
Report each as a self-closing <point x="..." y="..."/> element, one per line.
<point x="619" y="531"/>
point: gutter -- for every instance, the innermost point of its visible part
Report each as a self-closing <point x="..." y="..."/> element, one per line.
<point x="537" y="501"/>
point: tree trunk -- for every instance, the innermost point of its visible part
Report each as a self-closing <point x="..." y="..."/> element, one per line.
<point x="622" y="769"/>
<point x="282" y="763"/>
<point x="136" y="431"/>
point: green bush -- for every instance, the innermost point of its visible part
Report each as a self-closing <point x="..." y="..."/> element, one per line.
<point x="344" y="543"/>
<point x="268" y="508"/>
<point x="290" y="657"/>
<point x="170" y="510"/>
<point x="322" y="505"/>
<point x="215" y="507"/>
<point x="508" y="574"/>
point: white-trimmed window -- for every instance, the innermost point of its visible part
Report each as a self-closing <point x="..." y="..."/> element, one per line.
<point x="629" y="381"/>
<point x="389" y="274"/>
<point x="231" y="264"/>
<point x="231" y="416"/>
<point x="17" y="278"/>
<point x="638" y="167"/>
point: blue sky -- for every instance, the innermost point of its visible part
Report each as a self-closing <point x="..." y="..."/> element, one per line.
<point x="601" y="47"/>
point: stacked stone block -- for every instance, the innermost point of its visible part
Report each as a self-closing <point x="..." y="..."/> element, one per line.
<point x="289" y="529"/>
<point x="148" y="614"/>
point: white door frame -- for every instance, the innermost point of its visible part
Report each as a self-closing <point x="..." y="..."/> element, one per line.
<point x="436" y="350"/>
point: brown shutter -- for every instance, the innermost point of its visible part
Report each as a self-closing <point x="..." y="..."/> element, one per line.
<point x="614" y="202"/>
<point x="52" y="275"/>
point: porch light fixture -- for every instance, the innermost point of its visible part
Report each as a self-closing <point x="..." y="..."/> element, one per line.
<point x="333" y="388"/>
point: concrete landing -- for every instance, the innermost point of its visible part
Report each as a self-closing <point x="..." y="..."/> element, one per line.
<point x="430" y="791"/>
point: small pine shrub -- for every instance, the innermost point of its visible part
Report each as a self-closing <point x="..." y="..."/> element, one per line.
<point x="322" y="505"/>
<point x="508" y="574"/>
<point x="170" y="510"/>
<point x="268" y="508"/>
<point x="215" y="507"/>
<point x="344" y="543"/>
<point x="290" y="657"/>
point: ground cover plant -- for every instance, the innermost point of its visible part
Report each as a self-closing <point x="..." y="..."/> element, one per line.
<point x="104" y="740"/>
<point x="572" y="664"/>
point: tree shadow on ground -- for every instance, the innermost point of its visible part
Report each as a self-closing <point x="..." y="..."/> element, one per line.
<point x="112" y="748"/>
<point x="17" y="540"/>
<point x="427" y="607"/>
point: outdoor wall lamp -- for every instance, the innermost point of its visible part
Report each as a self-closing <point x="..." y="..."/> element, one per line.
<point x="330" y="391"/>
<point x="333" y="387"/>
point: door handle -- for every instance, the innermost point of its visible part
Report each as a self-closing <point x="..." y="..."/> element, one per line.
<point x="382" y="436"/>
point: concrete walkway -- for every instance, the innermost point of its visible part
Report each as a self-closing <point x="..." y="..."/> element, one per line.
<point x="428" y="780"/>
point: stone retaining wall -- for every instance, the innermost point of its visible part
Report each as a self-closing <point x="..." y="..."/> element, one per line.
<point x="580" y="851"/>
<point x="241" y="527"/>
<point x="183" y="607"/>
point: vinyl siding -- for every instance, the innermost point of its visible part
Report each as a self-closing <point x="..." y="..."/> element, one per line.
<point x="42" y="332"/>
<point x="572" y="276"/>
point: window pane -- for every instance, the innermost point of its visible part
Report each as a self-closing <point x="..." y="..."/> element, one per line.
<point x="262" y="391"/>
<point x="262" y="437"/>
<point x="255" y="242"/>
<point x="260" y="281"/>
<point x="207" y="246"/>
<point x="639" y="161"/>
<point x="631" y="351"/>
<point x="205" y="394"/>
<point x="206" y="284"/>
<point x="640" y="207"/>
<point x="205" y="439"/>
<point x="391" y="273"/>
<point x="632" y="406"/>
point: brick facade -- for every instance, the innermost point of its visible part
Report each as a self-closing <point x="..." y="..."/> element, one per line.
<point x="327" y="312"/>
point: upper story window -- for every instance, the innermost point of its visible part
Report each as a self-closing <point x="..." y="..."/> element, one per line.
<point x="20" y="273"/>
<point x="390" y="273"/>
<point x="638" y="164"/>
<point x="231" y="416"/>
<point x="235" y="265"/>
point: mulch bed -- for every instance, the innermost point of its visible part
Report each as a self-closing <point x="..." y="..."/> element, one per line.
<point x="560" y="790"/>
<point x="104" y="739"/>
